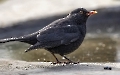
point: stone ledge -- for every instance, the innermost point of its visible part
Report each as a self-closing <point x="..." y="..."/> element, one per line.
<point x="16" y="67"/>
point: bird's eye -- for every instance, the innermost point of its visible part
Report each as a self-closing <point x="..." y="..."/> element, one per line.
<point x="81" y="12"/>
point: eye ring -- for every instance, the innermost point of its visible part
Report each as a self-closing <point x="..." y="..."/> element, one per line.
<point x="81" y="12"/>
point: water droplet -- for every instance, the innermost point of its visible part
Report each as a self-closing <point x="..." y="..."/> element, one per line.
<point x="100" y="43"/>
<point x="103" y="45"/>
<point x="69" y="25"/>
<point x="97" y="48"/>
<point x="88" y="54"/>
<point x="44" y="59"/>
<point x="26" y="69"/>
<point x="44" y="53"/>
<point x="30" y="65"/>
<point x="110" y="47"/>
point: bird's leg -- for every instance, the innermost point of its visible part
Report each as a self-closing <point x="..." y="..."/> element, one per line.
<point x="70" y="61"/>
<point x="55" y="58"/>
<point x="67" y="59"/>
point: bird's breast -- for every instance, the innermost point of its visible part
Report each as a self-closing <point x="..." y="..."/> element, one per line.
<point x="82" y="30"/>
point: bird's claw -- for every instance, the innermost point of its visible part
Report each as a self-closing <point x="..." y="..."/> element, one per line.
<point x="66" y="62"/>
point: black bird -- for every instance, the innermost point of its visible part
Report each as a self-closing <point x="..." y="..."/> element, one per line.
<point x="62" y="36"/>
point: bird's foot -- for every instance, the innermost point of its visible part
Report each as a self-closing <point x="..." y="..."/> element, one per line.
<point x="58" y="62"/>
<point x="65" y="62"/>
<point x="71" y="62"/>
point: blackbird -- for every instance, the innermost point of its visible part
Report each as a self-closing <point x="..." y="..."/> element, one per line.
<point x="62" y="36"/>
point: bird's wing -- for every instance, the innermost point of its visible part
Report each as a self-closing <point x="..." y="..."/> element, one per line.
<point x="58" y="36"/>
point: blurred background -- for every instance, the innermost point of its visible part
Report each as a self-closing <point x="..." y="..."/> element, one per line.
<point x="20" y="17"/>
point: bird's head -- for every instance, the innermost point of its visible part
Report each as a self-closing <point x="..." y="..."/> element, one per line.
<point x="81" y="14"/>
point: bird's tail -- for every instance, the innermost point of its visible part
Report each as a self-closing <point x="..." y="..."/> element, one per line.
<point x="35" y="46"/>
<point x="10" y="39"/>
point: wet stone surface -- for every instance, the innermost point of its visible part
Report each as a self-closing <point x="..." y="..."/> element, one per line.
<point x="43" y="68"/>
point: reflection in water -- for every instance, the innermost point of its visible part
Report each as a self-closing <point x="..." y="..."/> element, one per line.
<point x="92" y="50"/>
